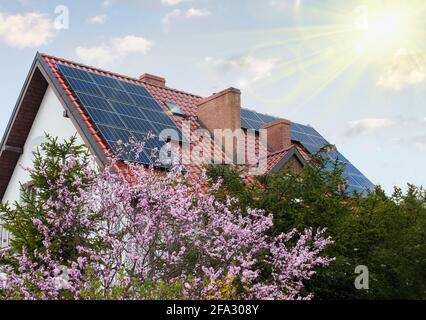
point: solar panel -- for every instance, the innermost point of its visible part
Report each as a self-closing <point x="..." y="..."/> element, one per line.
<point x="135" y="124"/>
<point x="128" y="110"/>
<point x="104" y="117"/>
<point x="145" y="102"/>
<point x="84" y="87"/>
<point x="158" y="117"/>
<point x="250" y="120"/>
<point x="106" y="81"/>
<point x="251" y="115"/>
<point x="266" y="118"/>
<point x="313" y="142"/>
<point x="113" y="134"/>
<point x="75" y="73"/>
<point x="95" y="102"/>
<point x="122" y="111"/>
<point x="135" y="89"/>
<point x="117" y="95"/>
<point x="356" y="180"/>
<point x="246" y="123"/>
<point x="255" y="125"/>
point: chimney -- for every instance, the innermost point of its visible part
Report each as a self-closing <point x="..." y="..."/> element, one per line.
<point x="154" y="80"/>
<point x="221" y="110"/>
<point x="279" y="134"/>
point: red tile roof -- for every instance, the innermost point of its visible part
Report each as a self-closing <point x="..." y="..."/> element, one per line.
<point x="45" y="72"/>
<point x="52" y="62"/>
<point x="275" y="157"/>
<point x="186" y="101"/>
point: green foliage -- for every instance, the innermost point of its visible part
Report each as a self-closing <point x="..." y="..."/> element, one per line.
<point x="147" y="290"/>
<point x="37" y="195"/>
<point x="385" y="233"/>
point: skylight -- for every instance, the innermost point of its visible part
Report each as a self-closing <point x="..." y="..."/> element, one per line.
<point x="175" y="109"/>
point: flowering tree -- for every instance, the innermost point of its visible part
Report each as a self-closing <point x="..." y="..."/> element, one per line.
<point x="149" y="235"/>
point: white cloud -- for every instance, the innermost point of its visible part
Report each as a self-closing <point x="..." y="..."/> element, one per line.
<point x="243" y="70"/>
<point x="193" y="12"/>
<point x="115" y="49"/>
<point x="407" y="68"/>
<point x="107" y="3"/>
<point x="171" y="3"/>
<point x="167" y="20"/>
<point x="100" y="19"/>
<point x="29" y="30"/>
<point x="100" y="56"/>
<point x="131" y="44"/>
<point x="370" y="124"/>
<point x="177" y="13"/>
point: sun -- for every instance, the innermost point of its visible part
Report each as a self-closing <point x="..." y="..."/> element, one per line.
<point x="359" y="39"/>
<point x="389" y="27"/>
<point x="380" y="30"/>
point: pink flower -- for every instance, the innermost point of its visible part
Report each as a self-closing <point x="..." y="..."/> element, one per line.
<point x="162" y="228"/>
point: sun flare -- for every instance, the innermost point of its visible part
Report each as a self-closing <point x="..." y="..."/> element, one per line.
<point x="388" y="27"/>
<point x="380" y="30"/>
<point x="363" y="37"/>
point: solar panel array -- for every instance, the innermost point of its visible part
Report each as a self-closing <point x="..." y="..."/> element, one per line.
<point x="122" y="111"/>
<point x="313" y="142"/>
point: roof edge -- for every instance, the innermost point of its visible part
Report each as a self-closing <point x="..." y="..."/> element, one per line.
<point x="293" y="151"/>
<point x="114" y="74"/>
<point x="19" y="101"/>
<point x="40" y="66"/>
<point x="67" y="104"/>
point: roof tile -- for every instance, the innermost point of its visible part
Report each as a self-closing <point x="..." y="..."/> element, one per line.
<point x="188" y="103"/>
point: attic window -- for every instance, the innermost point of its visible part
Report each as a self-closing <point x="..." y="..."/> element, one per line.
<point x="30" y="189"/>
<point x="175" y="109"/>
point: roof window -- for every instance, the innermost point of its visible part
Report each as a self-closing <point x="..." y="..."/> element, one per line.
<point x="175" y="109"/>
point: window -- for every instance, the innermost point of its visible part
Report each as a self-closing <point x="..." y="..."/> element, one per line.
<point x="175" y="109"/>
<point x="29" y="187"/>
<point x="4" y="238"/>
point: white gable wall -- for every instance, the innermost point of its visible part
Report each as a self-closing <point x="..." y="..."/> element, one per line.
<point x="49" y="119"/>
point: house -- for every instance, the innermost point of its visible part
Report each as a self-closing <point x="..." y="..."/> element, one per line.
<point x="64" y="98"/>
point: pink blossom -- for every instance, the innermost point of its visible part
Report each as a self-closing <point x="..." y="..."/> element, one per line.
<point x="163" y="228"/>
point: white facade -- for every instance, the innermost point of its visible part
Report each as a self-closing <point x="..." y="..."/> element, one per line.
<point x="49" y="119"/>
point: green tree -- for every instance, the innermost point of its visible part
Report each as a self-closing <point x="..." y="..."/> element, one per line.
<point x="384" y="233"/>
<point x="37" y="198"/>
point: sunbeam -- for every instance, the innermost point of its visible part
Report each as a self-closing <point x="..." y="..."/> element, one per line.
<point x="361" y="35"/>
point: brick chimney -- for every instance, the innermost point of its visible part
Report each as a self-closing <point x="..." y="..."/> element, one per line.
<point x="279" y="134"/>
<point x="221" y="110"/>
<point x="154" y="80"/>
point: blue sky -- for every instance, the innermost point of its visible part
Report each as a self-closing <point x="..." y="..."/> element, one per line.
<point x="354" y="70"/>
